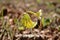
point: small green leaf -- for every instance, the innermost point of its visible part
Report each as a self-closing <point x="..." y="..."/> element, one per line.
<point x="21" y="28"/>
<point x="45" y="22"/>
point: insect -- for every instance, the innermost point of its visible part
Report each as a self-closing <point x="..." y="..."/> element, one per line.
<point x="38" y="15"/>
<point x="27" y="22"/>
<point x="26" y="19"/>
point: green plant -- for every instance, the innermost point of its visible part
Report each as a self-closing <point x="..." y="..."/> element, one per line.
<point x="18" y="24"/>
<point x="45" y="22"/>
<point x="5" y="25"/>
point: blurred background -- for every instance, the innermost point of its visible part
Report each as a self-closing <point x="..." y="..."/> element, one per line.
<point x="34" y="5"/>
<point x="11" y="14"/>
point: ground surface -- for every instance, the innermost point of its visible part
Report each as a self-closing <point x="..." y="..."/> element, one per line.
<point x="15" y="8"/>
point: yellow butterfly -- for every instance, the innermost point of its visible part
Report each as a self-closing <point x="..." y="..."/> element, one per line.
<point x="27" y="22"/>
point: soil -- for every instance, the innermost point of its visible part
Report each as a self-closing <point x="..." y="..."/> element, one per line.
<point x="15" y="9"/>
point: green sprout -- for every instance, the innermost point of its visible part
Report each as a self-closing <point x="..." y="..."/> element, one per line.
<point x="45" y="22"/>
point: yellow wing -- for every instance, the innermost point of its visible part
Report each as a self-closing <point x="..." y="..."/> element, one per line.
<point x="27" y="22"/>
<point x="31" y="24"/>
